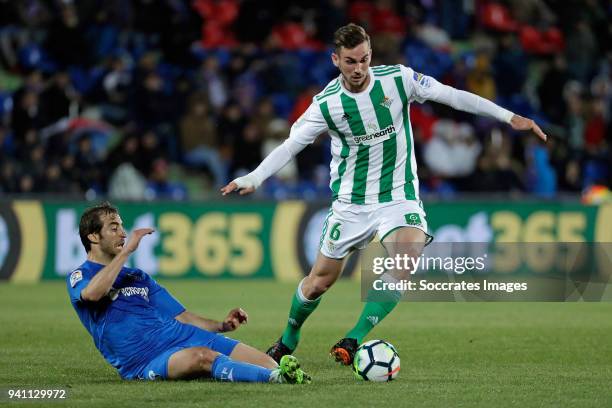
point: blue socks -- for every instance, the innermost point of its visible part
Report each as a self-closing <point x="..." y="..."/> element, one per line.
<point x="226" y="369"/>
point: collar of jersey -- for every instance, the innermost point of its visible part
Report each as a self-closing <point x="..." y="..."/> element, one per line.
<point x="95" y="264"/>
<point x="365" y="91"/>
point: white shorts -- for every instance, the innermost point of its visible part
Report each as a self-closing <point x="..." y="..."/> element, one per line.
<point x="353" y="226"/>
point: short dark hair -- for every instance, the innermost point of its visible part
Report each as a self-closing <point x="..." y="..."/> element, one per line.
<point x="91" y="221"/>
<point x="350" y="36"/>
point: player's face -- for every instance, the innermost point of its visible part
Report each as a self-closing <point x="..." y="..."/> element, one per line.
<point x="112" y="235"/>
<point x="354" y="64"/>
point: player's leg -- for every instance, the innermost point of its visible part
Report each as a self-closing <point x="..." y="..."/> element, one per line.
<point x="347" y="227"/>
<point x="402" y="227"/>
<point x="322" y="276"/>
<point x="199" y="353"/>
<point x="231" y="348"/>
<point x="288" y="370"/>
<point x="305" y="300"/>
<point x="195" y="362"/>
<point x="406" y="240"/>
<point x="248" y="354"/>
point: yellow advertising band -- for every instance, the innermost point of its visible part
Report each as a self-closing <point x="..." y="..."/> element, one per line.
<point x="32" y="225"/>
<point x="285" y="226"/>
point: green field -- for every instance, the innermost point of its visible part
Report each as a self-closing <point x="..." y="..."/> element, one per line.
<point x="453" y="354"/>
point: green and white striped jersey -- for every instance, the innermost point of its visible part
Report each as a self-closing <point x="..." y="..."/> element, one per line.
<point x="372" y="146"/>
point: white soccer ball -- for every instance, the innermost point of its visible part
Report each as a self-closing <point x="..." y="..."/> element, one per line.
<point x="376" y="360"/>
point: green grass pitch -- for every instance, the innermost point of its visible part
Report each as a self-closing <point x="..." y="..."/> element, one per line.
<point x="452" y="354"/>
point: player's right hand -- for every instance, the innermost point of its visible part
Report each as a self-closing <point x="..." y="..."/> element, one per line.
<point x="520" y="123"/>
<point x="244" y="185"/>
<point x="234" y="319"/>
<point x="135" y="238"/>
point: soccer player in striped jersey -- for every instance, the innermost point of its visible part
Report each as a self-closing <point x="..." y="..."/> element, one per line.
<point x="374" y="179"/>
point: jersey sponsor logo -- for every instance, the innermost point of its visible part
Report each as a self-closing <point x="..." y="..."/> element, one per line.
<point x="135" y="291"/>
<point x="417" y="76"/>
<point x="413" y="219"/>
<point x="375" y="137"/>
<point x="75" y="277"/>
<point x="129" y="291"/>
<point x="346" y="116"/>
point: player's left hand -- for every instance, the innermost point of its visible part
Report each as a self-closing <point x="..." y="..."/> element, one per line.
<point x="234" y="187"/>
<point x="234" y="319"/>
<point x="520" y="123"/>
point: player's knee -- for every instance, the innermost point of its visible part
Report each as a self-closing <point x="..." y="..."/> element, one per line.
<point x="204" y="358"/>
<point x="317" y="287"/>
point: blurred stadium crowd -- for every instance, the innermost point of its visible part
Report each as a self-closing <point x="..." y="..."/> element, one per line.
<point x="170" y="99"/>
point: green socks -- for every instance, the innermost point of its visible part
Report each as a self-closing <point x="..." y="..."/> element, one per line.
<point x="301" y="308"/>
<point x="379" y="305"/>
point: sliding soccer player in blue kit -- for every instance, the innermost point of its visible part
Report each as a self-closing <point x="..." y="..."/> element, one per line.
<point x="143" y="331"/>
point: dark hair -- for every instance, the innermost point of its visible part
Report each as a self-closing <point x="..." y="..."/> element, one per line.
<point x="91" y="221"/>
<point x="350" y="36"/>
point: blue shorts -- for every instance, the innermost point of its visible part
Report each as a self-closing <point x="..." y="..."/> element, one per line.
<point x="157" y="368"/>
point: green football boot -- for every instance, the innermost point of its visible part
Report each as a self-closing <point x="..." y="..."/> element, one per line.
<point x="289" y="372"/>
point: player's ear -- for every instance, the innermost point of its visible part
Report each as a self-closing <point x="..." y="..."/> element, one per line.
<point x="93" y="238"/>
<point x="335" y="59"/>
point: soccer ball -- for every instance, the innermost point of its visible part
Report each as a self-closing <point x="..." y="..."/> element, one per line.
<point x="376" y="360"/>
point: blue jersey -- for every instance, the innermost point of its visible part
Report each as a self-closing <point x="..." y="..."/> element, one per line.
<point x="133" y="324"/>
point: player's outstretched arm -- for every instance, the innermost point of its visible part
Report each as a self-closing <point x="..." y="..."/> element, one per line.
<point x="303" y="132"/>
<point x="427" y="88"/>
<point x="234" y="319"/>
<point x="101" y="283"/>
<point x="276" y="160"/>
